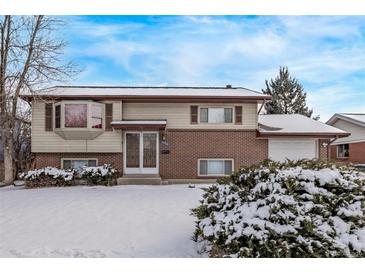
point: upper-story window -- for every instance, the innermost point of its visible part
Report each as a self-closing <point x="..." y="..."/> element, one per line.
<point x="97" y="116"/>
<point x="58" y="116"/>
<point x="75" y="115"/>
<point x="216" y="115"/>
<point x="78" y="115"/>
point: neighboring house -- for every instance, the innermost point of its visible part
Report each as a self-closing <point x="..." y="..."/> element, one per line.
<point x="352" y="148"/>
<point x="176" y="133"/>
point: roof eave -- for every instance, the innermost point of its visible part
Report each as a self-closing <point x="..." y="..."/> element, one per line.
<point x="302" y="134"/>
<point x="338" y="116"/>
<point x="151" y="98"/>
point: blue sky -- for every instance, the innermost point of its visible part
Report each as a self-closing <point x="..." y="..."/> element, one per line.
<point x="325" y="53"/>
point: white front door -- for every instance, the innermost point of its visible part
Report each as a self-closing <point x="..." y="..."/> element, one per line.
<point x="141" y="152"/>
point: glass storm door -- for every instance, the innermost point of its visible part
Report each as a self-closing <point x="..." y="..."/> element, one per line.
<point x="141" y="153"/>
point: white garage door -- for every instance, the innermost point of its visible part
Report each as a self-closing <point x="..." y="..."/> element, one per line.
<point x="292" y="149"/>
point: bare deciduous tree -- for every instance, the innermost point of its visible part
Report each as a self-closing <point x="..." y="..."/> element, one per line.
<point x="29" y="61"/>
<point x="22" y="155"/>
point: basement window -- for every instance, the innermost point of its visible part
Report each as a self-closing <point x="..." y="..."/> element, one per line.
<point x="78" y="163"/>
<point x="215" y="167"/>
<point x="343" y="151"/>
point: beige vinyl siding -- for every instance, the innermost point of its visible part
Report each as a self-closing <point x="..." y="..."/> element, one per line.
<point x="48" y="141"/>
<point x="357" y="132"/>
<point x="117" y="109"/>
<point x="178" y="114"/>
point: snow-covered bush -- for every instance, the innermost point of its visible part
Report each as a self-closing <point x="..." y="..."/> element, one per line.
<point x="105" y="174"/>
<point x="295" y="209"/>
<point x="50" y="176"/>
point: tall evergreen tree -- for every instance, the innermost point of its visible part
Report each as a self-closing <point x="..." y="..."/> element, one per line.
<point x="288" y="96"/>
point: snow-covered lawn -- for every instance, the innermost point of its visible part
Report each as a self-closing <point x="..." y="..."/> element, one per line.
<point x="120" y="221"/>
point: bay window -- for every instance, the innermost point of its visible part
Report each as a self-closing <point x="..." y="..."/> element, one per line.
<point x="79" y="120"/>
<point x="216" y="115"/>
<point x="58" y="116"/>
<point x="76" y="115"/>
<point x="215" y="167"/>
<point x="97" y="116"/>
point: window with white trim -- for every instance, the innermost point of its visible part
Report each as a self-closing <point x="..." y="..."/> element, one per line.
<point x="343" y="151"/>
<point x="58" y="116"/>
<point x="96" y="116"/>
<point x="78" y="163"/>
<point x="84" y="115"/>
<point x="215" y="167"/>
<point x="216" y="115"/>
<point x="75" y="115"/>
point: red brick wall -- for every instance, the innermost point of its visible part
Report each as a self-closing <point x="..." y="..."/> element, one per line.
<point x="356" y="153"/>
<point x="54" y="159"/>
<point x="333" y="153"/>
<point x="186" y="147"/>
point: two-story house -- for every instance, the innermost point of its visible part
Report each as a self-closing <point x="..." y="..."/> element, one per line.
<point x="173" y="133"/>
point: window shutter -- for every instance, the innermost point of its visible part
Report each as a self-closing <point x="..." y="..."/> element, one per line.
<point x="238" y="113"/>
<point x="194" y="114"/>
<point x="49" y="117"/>
<point x="108" y="117"/>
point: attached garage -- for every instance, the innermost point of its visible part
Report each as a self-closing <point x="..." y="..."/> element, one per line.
<point x="292" y="149"/>
<point x="295" y="137"/>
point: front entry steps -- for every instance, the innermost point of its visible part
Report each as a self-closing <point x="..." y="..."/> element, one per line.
<point x="141" y="179"/>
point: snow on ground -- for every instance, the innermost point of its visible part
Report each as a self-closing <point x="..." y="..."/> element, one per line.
<point x="120" y="221"/>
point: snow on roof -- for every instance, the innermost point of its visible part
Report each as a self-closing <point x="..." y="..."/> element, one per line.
<point x="356" y="118"/>
<point x="295" y="124"/>
<point x="75" y="91"/>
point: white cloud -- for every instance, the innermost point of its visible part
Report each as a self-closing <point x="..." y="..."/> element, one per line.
<point x="322" y="52"/>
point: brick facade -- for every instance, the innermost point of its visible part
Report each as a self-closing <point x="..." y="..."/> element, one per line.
<point x="179" y="158"/>
<point x="187" y="146"/>
<point x="54" y="159"/>
<point x="356" y="153"/>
